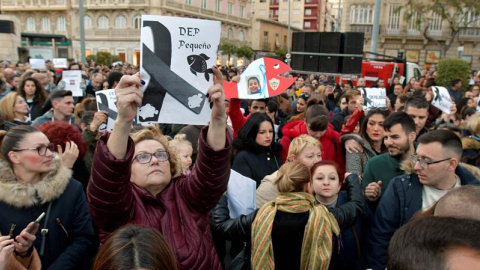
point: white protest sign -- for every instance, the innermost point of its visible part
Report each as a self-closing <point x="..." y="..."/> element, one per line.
<point x="177" y="55"/>
<point x="441" y="99"/>
<point x="72" y="79"/>
<point x="37" y="63"/>
<point x="60" y="62"/>
<point x="241" y="192"/>
<point x="478" y="104"/>
<point x="374" y="98"/>
<point x="107" y="101"/>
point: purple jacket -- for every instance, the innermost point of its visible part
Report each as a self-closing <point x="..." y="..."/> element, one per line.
<point x="179" y="211"/>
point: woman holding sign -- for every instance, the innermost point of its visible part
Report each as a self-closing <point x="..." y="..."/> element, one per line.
<point x="137" y="180"/>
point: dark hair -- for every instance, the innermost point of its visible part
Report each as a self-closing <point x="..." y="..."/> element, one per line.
<point x="423" y="243"/>
<point x="402" y="118"/>
<point x="418" y="102"/>
<point x="11" y="139"/>
<point x="403" y="98"/>
<point x="60" y="133"/>
<point x="135" y="247"/>
<point x="446" y="138"/>
<point x="469" y="111"/>
<point x="450" y="126"/>
<point x="59" y="94"/>
<point x="87" y="117"/>
<point x="248" y="133"/>
<point x="363" y="125"/>
<point x="40" y="94"/>
<point x="74" y="64"/>
<point x="264" y="100"/>
<point x="316" y="116"/>
<point x="455" y="81"/>
<point x="272" y="106"/>
<point x="113" y="77"/>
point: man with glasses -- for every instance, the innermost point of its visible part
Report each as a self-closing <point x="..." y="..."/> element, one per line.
<point x="435" y="171"/>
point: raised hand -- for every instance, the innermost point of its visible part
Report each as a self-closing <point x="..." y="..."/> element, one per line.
<point x="129" y="97"/>
<point x="70" y="155"/>
<point x="98" y="118"/>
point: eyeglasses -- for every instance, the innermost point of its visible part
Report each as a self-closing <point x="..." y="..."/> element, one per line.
<point x="305" y="95"/>
<point x="42" y="149"/>
<point x="423" y="163"/>
<point x="144" y="158"/>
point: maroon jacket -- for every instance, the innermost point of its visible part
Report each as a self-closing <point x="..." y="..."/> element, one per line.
<point x="179" y="211"/>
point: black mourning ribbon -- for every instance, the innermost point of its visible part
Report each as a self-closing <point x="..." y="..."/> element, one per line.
<point x="162" y="78"/>
<point x="437" y="92"/>
<point x="365" y="98"/>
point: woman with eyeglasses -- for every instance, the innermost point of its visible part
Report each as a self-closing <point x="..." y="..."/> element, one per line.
<point x="137" y="179"/>
<point x="34" y="181"/>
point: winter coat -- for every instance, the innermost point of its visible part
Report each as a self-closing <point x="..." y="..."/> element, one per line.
<point x="471" y="150"/>
<point x="330" y="142"/>
<point x="402" y="199"/>
<point x="256" y="164"/>
<point x="267" y="191"/>
<point x="179" y="212"/>
<point x="337" y="120"/>
<point x="34" y="109"/>
<point x="70" y="242"/>
<point x="48" y="117"/>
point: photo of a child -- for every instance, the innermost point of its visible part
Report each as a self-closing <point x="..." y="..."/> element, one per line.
<point x="254" y="86"/>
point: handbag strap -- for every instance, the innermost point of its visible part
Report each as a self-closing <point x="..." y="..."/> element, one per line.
<point x="44" y="231"/>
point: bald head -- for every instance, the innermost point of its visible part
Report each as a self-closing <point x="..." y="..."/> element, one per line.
<point x="462" y="202"/>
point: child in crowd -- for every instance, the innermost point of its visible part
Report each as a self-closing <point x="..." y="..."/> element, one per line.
<point x="183" y="148"/>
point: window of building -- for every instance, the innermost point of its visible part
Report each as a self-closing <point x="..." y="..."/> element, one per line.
<point x="435" y="24"/>
<point x="242" y="8"/>
<point x="307" y="24"/>
<point x="46" y="24"/>
<point x="262" y="12"/>
<point x="230" y="33"/>
<point x="263" y="1"/>
<point x="308" y="12"/>
<point x="296" y="11"/>
<point x="284" y="11"/>
<point x="361" y="14"/>
<point x="137" y="22"/>
<point x="241" y="35"/>
<point x="393" y="26"/>
<point x="103" y="22"/>
<point x="188" y="2"/>
<point x="471" y="24"/>
<point x="230" y="8"/>
<point x="265" y="38"/>
<point x="297" y="24"/>
<point x="120" y="22"/>
<point x="204" y="3"/>
<point x="31" y="24"/>
<point x="414" y="25"/>
<point x="61" y="24"/>
<point x="217" y="5"/>
<point x="270" y="13"/>
<point x="87" y="22"/>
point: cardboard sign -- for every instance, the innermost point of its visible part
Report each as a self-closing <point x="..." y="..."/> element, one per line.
<point x="72" y="79"/>
<point x="260" y="80"/>
<point x="107" y="101"/>
<point x="441" y="99"/>
<point x="241" y="193"/>
<point x="60" y="62"/>
<point x="37" y="63"/>
<point x="176" y="59"/>
<point x="374" y="98"/>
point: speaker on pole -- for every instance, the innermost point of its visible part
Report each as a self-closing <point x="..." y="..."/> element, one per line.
<point x="298" y="45"/>
<point x="312" y="43"/>
<point x="352" y="43"/>
<point x="329" y="43"/>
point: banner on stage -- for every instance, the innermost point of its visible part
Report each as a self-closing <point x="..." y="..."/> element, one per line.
<point x="374" y="98"/>
<point x="72" y="79"/>
<point x="441" y="99"/>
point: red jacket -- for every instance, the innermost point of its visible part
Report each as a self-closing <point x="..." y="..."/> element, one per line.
<point x="179" y="212"/>
<point x="238" y="120"/>
<point x="331" y="147"/>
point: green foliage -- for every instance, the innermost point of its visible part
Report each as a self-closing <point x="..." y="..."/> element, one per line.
<point x="227" y="48"/>
<point x="280" y="52"/>
<point x="450" y="69"/>
<point x="245" y="52"/>
<point x="104" y="58"/>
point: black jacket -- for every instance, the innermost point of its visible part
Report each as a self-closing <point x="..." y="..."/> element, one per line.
<point x="337" y="120"/>
<point x="239" y="229"/>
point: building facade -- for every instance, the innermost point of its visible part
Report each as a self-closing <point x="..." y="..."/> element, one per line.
<point x="397" y="35"/>
<point x="51" y="27"/>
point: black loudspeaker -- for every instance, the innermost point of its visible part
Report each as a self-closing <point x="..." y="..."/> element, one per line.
<point x="298" y="45"/>
<point x="329" y="43"/>
<point x="6" y="27"/>
<point x="312" y="43"/>
<point x="352" y="43"/>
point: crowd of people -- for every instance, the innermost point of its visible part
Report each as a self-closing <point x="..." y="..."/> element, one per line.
<point x="337" y="187"/>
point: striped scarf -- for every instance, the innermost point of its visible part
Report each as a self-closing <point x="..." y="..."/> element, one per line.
<point x="317" y="238"/>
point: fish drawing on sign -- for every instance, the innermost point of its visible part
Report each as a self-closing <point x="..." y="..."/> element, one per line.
<point x="198" y="63"/>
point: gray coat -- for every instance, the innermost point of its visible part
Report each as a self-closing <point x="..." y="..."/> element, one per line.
<point x="356" y="162"/>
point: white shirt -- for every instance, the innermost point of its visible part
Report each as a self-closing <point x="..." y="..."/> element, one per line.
<point x="431" y="195"/>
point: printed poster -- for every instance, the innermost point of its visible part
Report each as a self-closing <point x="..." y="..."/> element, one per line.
<point x="72" y="79"/>
<point x="374" y="98"/>
<point x="37" y="63"/>
<point x="176" y="59"/>
<point x="60" y="62"/>
<point x="107" y="101"/>
<point x="262" y="79"/>
<point x="441" y="99"/>
<point x="241" y="193"/>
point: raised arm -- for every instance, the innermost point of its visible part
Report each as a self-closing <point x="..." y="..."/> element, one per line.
<point x="216" y="136"/>
<point x="129" y="98"/>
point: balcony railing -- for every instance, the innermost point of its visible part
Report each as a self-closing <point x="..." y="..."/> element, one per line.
<point x="470" y="32"/>
<point x="37" y="4"/>
<point x="205" y="12"/>
<point x="413" y="32"/>
<point x="364" y="28"/>
<point x="123" y="34"/>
